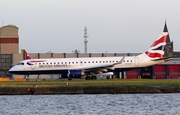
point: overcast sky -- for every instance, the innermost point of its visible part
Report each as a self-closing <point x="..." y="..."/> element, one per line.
<point x="113" y="26"/>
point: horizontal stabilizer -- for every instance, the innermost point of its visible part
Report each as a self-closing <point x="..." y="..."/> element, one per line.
<point x="165" y="59"/>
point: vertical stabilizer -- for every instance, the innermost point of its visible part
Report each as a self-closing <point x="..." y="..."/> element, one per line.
<point x="25" y="55"/>
<point x="156" y="50"/>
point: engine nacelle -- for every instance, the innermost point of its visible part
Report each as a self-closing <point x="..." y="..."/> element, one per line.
<point x="75" y="73"/>
<point x="106" y="74"/>
<point x="111" y="68"/>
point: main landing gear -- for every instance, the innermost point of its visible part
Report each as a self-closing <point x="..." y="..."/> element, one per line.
<point x="89" y="77"/>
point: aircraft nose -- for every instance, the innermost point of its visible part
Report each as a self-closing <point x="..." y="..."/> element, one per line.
<point x="11" y="69"/>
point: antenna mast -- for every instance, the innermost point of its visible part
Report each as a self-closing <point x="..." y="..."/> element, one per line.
<point x="85" y="40"/>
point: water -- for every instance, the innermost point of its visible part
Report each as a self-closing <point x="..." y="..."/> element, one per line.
<point x="105" y="104"/>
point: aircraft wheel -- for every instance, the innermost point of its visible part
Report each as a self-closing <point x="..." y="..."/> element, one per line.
<point x="88" y="78"/>
<point x="94" y="77"/>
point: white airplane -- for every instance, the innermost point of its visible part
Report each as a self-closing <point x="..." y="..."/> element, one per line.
<point x="89" y="67"/>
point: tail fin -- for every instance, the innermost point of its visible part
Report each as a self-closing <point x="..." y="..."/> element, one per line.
<point x="25" y="54"/>
<point x="157" y="49"/>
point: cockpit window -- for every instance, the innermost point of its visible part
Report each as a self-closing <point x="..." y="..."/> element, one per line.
<point x="21" y="63"/>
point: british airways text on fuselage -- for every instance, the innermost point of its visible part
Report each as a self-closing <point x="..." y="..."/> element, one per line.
<point x="50" y="66"/>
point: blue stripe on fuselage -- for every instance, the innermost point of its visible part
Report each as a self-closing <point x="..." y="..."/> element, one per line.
<point x="31" y="72"/>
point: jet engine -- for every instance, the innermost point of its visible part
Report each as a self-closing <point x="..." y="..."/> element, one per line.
<point x="75" y="73"/>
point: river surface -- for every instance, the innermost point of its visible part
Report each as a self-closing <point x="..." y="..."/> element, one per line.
<point x="103" y="104"/>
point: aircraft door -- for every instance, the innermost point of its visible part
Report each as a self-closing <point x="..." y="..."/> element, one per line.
<point x="22" y="66"/>
<point x="33" y="66"/>
<point x="136" y="59"/>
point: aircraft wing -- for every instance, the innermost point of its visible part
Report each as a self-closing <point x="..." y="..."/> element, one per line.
<point x="101" y="68"/>
<point x="94" y="68"/>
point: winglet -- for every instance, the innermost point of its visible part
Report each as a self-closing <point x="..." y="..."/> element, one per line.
<point x="120" y="61"/>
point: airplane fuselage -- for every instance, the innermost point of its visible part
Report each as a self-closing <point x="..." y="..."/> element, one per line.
<point x="60" y="65"/>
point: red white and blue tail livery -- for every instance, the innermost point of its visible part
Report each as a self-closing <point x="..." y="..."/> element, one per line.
<point x="157" y="48"/>
<point x="92" y="66"/>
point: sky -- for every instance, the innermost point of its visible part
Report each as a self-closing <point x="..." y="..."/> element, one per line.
<point x="113" y="26"/>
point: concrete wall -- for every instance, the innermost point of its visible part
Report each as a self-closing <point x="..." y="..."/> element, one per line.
<point x="9" y="48"/>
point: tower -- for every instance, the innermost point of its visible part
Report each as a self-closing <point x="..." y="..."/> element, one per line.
<point x="169" y="45"/>
<point x="9" y="39"/>
<point x="85" y="40"/>
<point x="9" y="45"/>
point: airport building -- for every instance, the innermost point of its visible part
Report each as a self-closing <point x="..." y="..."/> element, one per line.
<point x="9" y="56"/>
<point x="9" y="45"/>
